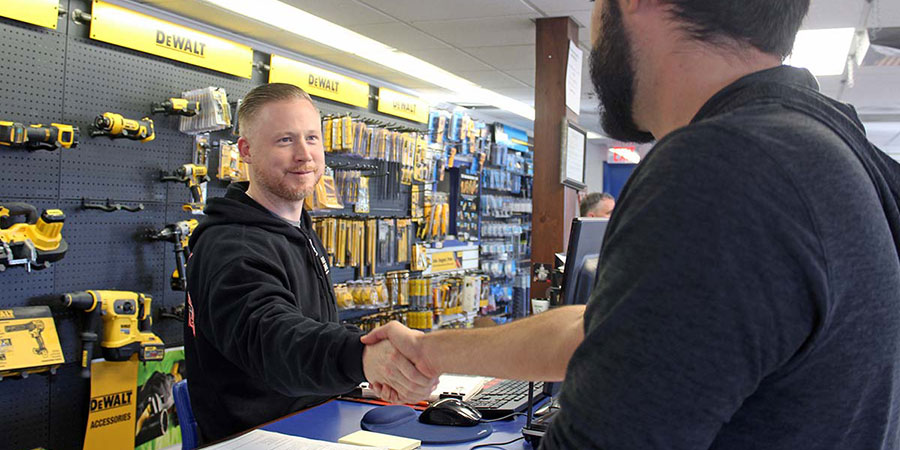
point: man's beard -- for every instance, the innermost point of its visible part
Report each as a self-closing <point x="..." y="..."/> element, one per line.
<point x="280" y="189"/>
<point x="612" y="73"/>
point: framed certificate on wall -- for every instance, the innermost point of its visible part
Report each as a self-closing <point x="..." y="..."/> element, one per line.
<point x="572" y="164"/>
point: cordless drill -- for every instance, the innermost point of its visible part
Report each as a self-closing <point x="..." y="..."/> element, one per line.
<point x="178" y="233"/>
<point x="34" y="243"/>
<point x="38" y="137"/>
<point x="115" y="126"/>
<point x="192" y="175"/>
<point x="35" y="328"/>
<point x="176" y="107"/>
<point x="126" y="325"/>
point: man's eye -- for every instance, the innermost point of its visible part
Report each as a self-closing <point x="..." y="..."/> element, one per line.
<point x="286" y="139"/>
<point x="312" y="138"/>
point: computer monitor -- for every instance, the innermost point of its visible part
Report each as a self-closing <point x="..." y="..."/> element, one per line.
<point x="582" y="255"/>
<point x="585" y="240"/>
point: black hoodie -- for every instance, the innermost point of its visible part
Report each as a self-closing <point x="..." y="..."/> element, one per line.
<point x="262" y="337"/>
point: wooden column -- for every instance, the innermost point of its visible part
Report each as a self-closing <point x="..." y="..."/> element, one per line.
<point x="555" y="205"/>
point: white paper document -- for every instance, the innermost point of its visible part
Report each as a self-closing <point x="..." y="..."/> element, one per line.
<point x="573" y="78"/>
<point x="268" y="440"/>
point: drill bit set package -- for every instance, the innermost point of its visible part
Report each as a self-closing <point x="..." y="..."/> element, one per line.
<point x="214" y="112"/>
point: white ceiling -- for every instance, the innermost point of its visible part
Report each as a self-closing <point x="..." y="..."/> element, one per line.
<point x="492" y="43"/>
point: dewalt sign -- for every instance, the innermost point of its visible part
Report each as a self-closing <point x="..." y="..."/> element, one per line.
<point x="402" y="105"/>
<point x="109" y="401"/>
<point x="119" y="26"/>
<point x="319" y="82"/>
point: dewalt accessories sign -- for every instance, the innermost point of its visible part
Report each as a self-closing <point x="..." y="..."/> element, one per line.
<point x="120" y="26"/>
<point x="36" y="12"/>
<point x="319" y="82"/>
<point x="402" y="105"/>
<point x="111" y="417"/>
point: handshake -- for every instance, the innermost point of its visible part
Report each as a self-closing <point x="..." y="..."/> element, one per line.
<point x="396" y="366"/>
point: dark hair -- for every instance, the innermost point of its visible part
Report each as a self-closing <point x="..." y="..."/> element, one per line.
<point x="768" y="25"/>
<point x="263" y="95"/>
<point x="591" y="201"/>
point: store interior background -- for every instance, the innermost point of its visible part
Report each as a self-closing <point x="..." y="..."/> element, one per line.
<point x="492" y="44"/>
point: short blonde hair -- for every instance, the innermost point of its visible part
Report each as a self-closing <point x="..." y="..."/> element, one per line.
<point x="263" y="95"/>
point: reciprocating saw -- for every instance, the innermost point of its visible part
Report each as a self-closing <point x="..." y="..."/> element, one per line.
<point x="192" y="175"/>
<point x="176" y="107"/>
<point x="115" y="126"/>
<point x="126" y="324"/>
<point x="34" y="243"/>
<point x="38" y="137"/>
<point x="177" y="233"/>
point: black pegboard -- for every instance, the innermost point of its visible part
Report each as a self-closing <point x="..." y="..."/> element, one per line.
<point x="25" y="409"/>
<point x="31" y="93"/>
<point x="68" y="404"/>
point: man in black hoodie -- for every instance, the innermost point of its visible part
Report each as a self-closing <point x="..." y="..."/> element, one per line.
<point x="262" y="337"/>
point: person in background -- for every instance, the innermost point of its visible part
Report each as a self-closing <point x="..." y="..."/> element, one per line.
<point x="262" y="337"/>
<point x="597" y="204"/>
<point x="733" y="309"/>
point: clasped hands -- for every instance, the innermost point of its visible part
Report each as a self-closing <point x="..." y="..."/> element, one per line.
<point x="395" y="364"/>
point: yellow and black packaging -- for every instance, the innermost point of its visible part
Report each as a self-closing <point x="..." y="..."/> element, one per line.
<point x="28" y="341"/>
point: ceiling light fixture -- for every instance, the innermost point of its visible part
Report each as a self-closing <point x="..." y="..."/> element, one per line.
<point x="314" y="28"/>
<point x="823" y="52"/>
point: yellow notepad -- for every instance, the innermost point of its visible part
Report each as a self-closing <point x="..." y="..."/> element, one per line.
<point x="371" y="439"/>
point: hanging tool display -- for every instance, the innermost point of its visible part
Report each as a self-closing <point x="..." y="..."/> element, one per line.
<point x="176" y="107"/>
<point x="177" y="233"/>
<point x="34" y="243"/>
<point x="38" y="137"/>
<point x="126" y="326"/>
<point x="115" y="126"/>
<point x="193" y="176"/>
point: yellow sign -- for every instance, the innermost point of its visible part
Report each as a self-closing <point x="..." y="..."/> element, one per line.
<point x="445" y="261"/>
<point x="35" y="12"/>
<point x="111" y="421"/>
<point x="120" y="26"/>
<point x="319" y="82"/>
<point x="402" y="105"/>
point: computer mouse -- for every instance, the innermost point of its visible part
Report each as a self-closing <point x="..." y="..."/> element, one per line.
<point x="451" y="412"/>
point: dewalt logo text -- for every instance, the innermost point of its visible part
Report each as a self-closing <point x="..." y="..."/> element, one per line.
<point x="180" y="43"/>
<point x="324" y="83"/>
<point x="109" y="401"/>
<point x="402" y="106"/>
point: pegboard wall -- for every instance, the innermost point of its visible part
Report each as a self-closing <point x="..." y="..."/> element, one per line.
<point x="63" y="76"/>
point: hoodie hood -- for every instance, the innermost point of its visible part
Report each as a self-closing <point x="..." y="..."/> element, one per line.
<point x="236" y="207"/>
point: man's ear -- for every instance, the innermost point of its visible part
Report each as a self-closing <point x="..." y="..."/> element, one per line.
<point x="244" y="147"/>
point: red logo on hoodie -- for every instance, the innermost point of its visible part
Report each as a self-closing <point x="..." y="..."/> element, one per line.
<point x="190" y="315"/>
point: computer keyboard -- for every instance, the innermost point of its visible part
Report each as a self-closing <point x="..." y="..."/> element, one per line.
<point x="504" y="398"/>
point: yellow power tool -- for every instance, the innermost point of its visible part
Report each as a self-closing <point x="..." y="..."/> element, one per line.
<point x="126" y="324"/>
<point x="38" y="137"/>
<point x="192" y="175"/>
<point x="34" y="243"/>
<point x="178" y="233"/>
<point x="176" y="107"/>
<point x="115" y="126"/>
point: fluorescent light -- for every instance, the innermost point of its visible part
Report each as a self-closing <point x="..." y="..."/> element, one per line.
<point x="594" y="136"/>
<point x="308" y="26"/>
<point x="823" y="52"/>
